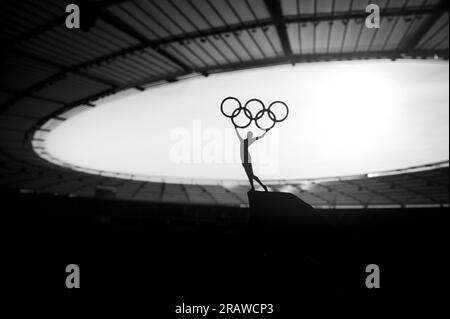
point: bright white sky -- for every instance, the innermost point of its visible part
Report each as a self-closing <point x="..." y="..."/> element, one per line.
<point x="345" y="118"/>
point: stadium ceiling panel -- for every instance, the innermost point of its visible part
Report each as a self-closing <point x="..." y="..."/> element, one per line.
<point x="46" y="71"/>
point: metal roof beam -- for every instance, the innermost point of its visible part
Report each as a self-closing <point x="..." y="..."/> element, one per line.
<point x="305" y="58"/>
<point x="302" y="18"/>
<point x="108" y="17"/>
<point x="66" y="107"/>
<point x="55" y="23"/>
<point x="92" y="77"/>
<point x="36" y="31"/>
<point x="215" y="31"/>
<point x="254" y="64"/>
<point x="30" y="95"/>
<point x="274" y="8"/>
<point x="122" y="26"/>
<point x="434" y="14"/>
<point x="37" y="87"/>
<point x="361" y="14"/>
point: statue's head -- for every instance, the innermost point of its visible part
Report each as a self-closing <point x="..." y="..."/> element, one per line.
<point x="249" y="134"/>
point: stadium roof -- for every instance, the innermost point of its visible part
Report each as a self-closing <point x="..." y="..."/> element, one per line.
<point x="48" y="70"/>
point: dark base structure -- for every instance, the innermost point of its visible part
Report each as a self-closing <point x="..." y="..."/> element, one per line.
<point x="152" y="257"/>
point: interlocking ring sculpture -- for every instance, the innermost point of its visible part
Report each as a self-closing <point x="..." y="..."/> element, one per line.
<point x="258" y="117"/>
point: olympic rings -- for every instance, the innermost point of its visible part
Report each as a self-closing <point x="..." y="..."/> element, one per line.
<point x="229" y="98"/>
<point x="248" y="113"/>
<point x="287" y="111"/>
<point x="271" y="116"/>
<point x="254" y="100"/>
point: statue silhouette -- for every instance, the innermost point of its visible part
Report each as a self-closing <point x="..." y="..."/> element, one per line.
<point x="247" y="159"/>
